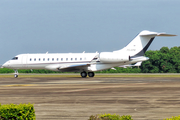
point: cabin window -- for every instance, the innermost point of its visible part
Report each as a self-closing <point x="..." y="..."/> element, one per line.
<point x="43" y="59"/>
<point x="48" y="59"/>
<point x="80" y="58"/>
<point x="75" y="58"/>
<point x="61" y="59"/>
<point x="34" y="59"/>
<point x="39" y="59"/>
<point x="66" y="59"/>
<point x="52" y="59"/>
<point x="30" y="59"/>
<point x="71" y="59"/>
<point x="15" y="58"/>
<point x="57" y="59"/>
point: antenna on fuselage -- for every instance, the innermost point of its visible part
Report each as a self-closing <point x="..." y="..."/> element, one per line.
<point x="47" y="52"/>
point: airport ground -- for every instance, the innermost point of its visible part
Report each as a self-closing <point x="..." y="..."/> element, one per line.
<point x="74" y="98"/>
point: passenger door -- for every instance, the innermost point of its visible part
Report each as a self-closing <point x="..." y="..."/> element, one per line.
<point x="24" y="61"/>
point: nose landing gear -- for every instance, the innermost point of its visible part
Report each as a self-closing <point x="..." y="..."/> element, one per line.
<point x="16" y="74"/>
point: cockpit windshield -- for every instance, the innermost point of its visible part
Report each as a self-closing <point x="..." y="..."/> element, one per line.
<point x="15" y="58"/>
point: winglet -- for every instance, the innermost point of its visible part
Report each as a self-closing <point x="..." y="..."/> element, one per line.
<point x="138" y="63"/>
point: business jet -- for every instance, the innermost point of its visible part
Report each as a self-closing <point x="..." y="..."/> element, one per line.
<point x="86" y="63"/>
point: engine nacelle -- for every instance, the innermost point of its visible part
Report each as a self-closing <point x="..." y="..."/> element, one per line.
<point x="111" y="57"/>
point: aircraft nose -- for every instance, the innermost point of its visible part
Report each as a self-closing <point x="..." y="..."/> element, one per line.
<point x="1" y="66"/>
<point x="5" y="65"/>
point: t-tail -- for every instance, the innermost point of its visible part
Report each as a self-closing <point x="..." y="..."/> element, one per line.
<point x="135" y="49"/>
<point x="139" y="45"/>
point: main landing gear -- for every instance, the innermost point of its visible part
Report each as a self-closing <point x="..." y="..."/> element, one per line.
<point x="84" y="74"/>
<point x="16" y="74"/>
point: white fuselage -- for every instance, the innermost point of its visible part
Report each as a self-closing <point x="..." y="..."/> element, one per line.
<point x="41" y="61"/>
<point x="60" y="60"/>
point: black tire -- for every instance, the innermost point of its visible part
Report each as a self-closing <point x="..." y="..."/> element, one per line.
<point x="91" y="74"/>
<point x="83" y="74"/>
<point x="15" y="75"/>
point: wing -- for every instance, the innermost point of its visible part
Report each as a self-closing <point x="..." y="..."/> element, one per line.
<point x="67" y="68"/>
<point x="75" y="67"/>
<point x="79" y="67"/>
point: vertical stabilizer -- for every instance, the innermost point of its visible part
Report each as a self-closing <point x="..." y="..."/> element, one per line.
<point x="139" y="45"/>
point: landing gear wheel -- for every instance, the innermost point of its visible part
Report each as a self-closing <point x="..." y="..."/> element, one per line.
<point x="91" y="74"/>
<point x="83" y="74"/>
<point x="15" y="75"/>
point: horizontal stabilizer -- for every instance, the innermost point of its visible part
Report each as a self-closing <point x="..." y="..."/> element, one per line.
<point x="164" y="34"/>
<point x="149" y="33"/>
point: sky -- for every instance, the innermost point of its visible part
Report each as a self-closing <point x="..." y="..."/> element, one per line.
<point x="74" y="26"/>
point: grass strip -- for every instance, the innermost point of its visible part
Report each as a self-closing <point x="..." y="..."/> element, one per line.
<point x="97" y="75"/>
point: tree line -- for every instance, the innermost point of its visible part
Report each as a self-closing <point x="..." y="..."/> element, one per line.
<point x="164" y="60"/>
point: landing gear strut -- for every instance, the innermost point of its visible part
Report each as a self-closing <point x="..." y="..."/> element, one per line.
<point x="16" y="74"/>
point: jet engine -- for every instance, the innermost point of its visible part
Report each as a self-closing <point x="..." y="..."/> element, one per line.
<point x="111" y="57"/>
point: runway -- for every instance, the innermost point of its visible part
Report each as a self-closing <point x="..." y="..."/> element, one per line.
<point x="75" y="98"/>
